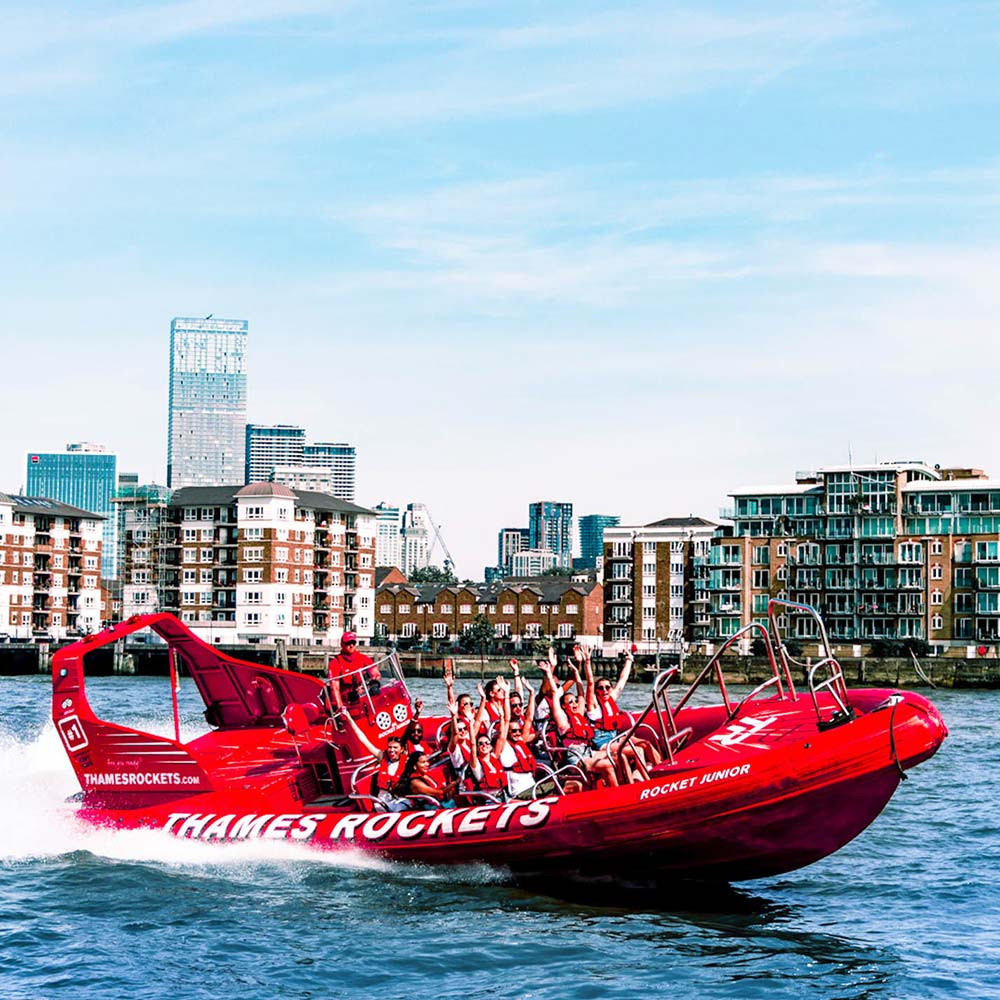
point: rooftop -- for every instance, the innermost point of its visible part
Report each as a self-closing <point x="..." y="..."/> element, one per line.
<point x="42" y="505"/>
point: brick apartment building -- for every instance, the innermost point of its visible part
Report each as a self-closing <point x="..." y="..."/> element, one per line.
<point x="656" y="580"/>
<point x="254" y="563"/>
<point x="893" y="551"/>
<point x="518" y="612"/>
<point x="50" y="568"/>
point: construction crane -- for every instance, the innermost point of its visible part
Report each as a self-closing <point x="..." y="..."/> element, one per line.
<point x="449" y="563"/>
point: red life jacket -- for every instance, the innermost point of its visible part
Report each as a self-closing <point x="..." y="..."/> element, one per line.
<point x="526" y="763"/>
<point x="610" y="713"/>
<point x="579" y="728"/>
<point x="388" y="773"/>
<point x="494" y="711"/>
<point x="429" y="779"/>
<point x="494" y="776"/>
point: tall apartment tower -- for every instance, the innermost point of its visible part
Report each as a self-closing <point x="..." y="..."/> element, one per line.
<point x="592" y="537"/>
<point x="510" y="541"/>
<point x="206" y="419"/>
<point x="339" y="458"/>
<point x="415" y="535"/>
<point x="84" y="477"/>
<point x="550" y="526"/>
<point x="388" y="541"/>
<point x="270" y="445"/>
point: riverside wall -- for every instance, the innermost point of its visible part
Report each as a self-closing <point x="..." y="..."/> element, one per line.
<point x="151" y="660"/>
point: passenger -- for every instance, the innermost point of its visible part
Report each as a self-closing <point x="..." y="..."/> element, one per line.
<point x="413" y="737"/>
<point x="460" y="748"/>
<point x="351" y="673"/>
<point x="418" y="779"/>
<point x="518" y="710"/>
<point x="463" y="703"/>
<point x="486" y="766"/>
<point x="576" y="735"/>
<point x="517" y="760"/>
<point x="493" y="697"/>
<point x="607" y="718"/>
<point x="385" y="783"/>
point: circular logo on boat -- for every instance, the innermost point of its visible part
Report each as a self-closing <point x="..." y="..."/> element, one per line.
<point x="399" y="712"/>
<point x="383" y="720"/>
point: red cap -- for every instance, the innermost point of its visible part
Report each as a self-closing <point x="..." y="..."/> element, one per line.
<point x="635" y="648"/>
<point x="348" y="637"/>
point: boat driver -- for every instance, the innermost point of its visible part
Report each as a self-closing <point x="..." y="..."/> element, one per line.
<point x="351" y="672"/>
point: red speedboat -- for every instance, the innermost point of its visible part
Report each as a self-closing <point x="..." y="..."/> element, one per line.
<point x="747" y="788"/>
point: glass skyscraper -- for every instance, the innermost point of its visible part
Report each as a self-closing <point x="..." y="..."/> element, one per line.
<point x="83" y="476"/>
<point x="268" y="445"/>
<point x="550" y="526"/>
<point x="592" y="537"/>
<point x="339" y="458"/>
<point x="206" y="423"/>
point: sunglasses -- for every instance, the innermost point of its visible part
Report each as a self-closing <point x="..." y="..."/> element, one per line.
<point x="603" y="687"/>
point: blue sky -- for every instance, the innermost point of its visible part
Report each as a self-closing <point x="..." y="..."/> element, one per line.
<point x="628" y="255"/>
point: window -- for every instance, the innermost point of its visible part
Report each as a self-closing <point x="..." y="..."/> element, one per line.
<point x="649" y="568"/>
<point x="279" y="597"/>
<point x="565" y="631"/>
<point x="206" y="576"/>
<point x="937" y="623"/>
<point x="937" y="597"/>
<point x="281" y="576"/>
<point x="253" y="534"/>
<point x="190" y="555"/>
<point x="206" y="555"/>
<point x="572" y="609"/>
<point x="190" y="534"/>
<point x="252" y="617"/>
<point x="385" y="609"/>
<point x="409" y="630"/>
<point x="189" y="597"/>
<point x="447" y="609"/>
<point x="761" y="555"/>
<point x="440" y="630"/>
<point x="404" y="609"/>
<point x="254" y="513"/>
<point x="465" y="609"/>
<point x="761" y="579"/>
<point x="251" y="576"/>
<point x="502" y="630"/>
<point x="253" y="597"/>
<point x="937" y="572"/>
<point x="253" y="554"/>
<point x="936" y="547"/>
<point x="508" y="609"/>
<point x="527" y="609"/>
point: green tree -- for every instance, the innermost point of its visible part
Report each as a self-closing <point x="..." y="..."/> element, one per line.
<point x="479" y="635"/>
<point x="563" y="571"/>
<point x="433" y="574"/>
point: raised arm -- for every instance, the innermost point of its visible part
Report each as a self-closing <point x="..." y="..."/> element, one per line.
<point x="516" y="668"/>
<point x="449" y="687"/>
<point x="584" y="656"/>
<point x="504" y="722"/>
<point x="362" y="737"/>
<point x="558" y="713"/>
<point x="623" y="677"/>
<point x="528" y="733"/>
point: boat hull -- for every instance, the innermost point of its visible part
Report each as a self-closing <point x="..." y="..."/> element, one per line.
<point x="753" y="811"/>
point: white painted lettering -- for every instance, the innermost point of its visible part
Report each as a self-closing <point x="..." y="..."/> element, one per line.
<point x="194" y="824"/>
<point x="506" y="813"/>
<point x="306" y="827"/>
<point x="413" y="824"/>
<point x="172" y="820"/>
<point x="474" y="821"/>
<point x="376" y="827"/>
<point x="217" y="831"/>
<point x="347" y="826"/>
<point x="444" y="822"/>
<point x="249" y="826"/>
<point x="537" y="813"/>
<point x="277" y="829"/>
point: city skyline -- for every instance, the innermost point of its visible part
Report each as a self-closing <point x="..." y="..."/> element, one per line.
<point x="712" y="245"/>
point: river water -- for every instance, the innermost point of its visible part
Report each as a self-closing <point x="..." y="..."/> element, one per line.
<point x="909" y="909"/>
